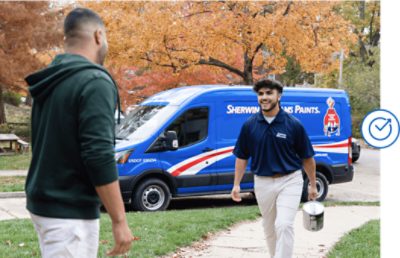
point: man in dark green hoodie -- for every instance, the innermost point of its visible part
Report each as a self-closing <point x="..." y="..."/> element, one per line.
<point x="73" y="146"/>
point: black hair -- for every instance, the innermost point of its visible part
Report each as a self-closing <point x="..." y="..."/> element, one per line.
<point x="268" y="83"/>
<point x="77" y="18"/>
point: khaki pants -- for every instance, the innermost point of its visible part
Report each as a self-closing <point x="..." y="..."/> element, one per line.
<point x="278" y="200"/>
<point x="62" y="238"/>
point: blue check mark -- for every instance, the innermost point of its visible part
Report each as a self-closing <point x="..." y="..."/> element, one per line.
<point x="383" y="126"/>
<point x="380" y="134"/>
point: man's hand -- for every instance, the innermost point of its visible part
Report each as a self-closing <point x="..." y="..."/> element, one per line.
<point x="312" y="193"/>
<point x="122" y="237"/>
<point x="235" y="194"/>
<point x="309" y="168"/>
<point x="111" y="198"/>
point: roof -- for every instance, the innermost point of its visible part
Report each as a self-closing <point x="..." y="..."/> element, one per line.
<point x="178" y="96"/>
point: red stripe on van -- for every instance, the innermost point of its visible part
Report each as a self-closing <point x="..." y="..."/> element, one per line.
<point x="183" y="168"/>
<point x="332" y="146"/>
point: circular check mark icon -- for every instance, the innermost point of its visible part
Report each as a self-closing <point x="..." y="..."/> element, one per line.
<point x="380" y="128"/>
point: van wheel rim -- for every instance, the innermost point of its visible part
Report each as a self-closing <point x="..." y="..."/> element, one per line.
<point x="153" y="197"/>
<point x="320" y="188"/>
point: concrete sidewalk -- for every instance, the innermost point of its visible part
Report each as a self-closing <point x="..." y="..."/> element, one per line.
<point x="13" y="208"/>
<point x="13" y="172"/>
<point x="247" y="239"/>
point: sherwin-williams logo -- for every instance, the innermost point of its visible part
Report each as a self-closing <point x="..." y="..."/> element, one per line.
<point x="331" y="119"/>
<point x="281" y="135"/>
<point x="231" y="109"/>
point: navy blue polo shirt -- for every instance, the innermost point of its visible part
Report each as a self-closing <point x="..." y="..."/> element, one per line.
<point x="276" y="148"/>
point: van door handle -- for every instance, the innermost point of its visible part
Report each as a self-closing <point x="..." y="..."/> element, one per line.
<point x="207" y="149"/>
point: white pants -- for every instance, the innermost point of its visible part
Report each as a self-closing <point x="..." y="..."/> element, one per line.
<point x="278" y="200"/>
<point x="62" y="238"/>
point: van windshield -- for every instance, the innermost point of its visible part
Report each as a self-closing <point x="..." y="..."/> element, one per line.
<point x="142" y="121"/>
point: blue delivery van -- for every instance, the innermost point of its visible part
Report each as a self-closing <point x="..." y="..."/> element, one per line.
<point x="179" y="142"/>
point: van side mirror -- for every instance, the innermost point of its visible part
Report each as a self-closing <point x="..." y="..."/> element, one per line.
<point x="171" y="140"/>
<point x="166" y="141"/>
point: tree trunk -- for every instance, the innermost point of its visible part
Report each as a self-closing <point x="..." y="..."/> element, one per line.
<point x="363" y="49"/>
<point x="28" y="100"/>
<point x="247" y="70"/>
<point x="361" y="9"/>
<point x="2" y="111"/>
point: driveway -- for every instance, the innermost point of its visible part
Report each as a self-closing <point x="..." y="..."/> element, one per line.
<point x="366" y="182"/>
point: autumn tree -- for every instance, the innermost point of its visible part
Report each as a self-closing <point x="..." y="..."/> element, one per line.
<point x="365" y="17"/>
<point x="361" y="75"/>
<point x="361" y="66"/>
<point x="135" y="84"/>
<point x="182" y="35"/>
<point x="26" y="29"/>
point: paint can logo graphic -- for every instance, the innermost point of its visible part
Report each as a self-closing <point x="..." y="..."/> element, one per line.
<point x="331" y="119"/>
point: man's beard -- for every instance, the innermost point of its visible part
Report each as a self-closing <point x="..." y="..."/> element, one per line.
<point x="273" y="105"/>
<point x="101" y="55"/>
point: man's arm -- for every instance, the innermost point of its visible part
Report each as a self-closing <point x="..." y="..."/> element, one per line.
<point x="309" y="167"/>
<point x="240" y="169"/>
<point x="110" y="196"/>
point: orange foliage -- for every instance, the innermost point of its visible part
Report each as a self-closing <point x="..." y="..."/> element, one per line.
<point x="181" y="35"/>
<point x="136" y="85"/>
<point x="27" y="28"/>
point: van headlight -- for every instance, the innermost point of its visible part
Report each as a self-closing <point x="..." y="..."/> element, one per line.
<point x="122" y="157"/>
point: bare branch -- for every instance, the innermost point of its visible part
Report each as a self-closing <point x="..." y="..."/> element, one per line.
<point x="185" y="50"/>
<point x="195" y="14"/>
<point x="266" y="9"/>
<point x="287" y="9"/>
<point x="255" y="52"/>
<point x="218" y="63"/>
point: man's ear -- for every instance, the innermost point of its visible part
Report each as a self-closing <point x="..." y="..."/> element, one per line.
<point x="98" y="34"/>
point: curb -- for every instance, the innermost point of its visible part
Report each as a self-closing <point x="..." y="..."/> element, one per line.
<point x="5" y="195"/>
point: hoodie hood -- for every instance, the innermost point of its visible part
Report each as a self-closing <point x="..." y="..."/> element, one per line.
<point x="43" y="82"/>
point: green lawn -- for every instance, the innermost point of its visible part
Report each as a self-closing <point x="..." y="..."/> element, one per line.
<point x="159" y="233"/>
<point x="363" y="242"/>
<point x="12" y="183"/>
<point x="15" y="162"/>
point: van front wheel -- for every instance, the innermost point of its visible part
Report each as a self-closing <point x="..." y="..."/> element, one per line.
<point x="322" y="188"/>
<point x="151" y="195"/>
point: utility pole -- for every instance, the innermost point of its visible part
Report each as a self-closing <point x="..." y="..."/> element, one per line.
<point x="341" y="57"/>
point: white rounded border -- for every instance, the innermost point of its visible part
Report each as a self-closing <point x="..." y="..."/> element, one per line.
<point x="365" y="125"/>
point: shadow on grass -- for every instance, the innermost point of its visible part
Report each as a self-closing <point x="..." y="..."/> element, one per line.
<point x="208" y="201"/>
<point x="216" y="201"/>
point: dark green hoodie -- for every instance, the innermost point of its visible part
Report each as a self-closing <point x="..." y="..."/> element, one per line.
<point x="73" y="110"/>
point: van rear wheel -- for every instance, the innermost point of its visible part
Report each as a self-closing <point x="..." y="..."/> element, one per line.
<point x="151" y="195"/>
<point x="322" y="188"/>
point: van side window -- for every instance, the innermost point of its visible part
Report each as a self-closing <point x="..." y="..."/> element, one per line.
<point x="191" y="126"/>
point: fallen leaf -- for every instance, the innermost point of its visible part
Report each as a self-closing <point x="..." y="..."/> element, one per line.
<point x="103" y="242"/>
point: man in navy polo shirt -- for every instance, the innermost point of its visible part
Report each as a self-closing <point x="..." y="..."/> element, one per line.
<point x="279" y="148"/>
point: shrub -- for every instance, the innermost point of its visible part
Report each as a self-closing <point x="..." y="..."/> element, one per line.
<point x="12" y="98"/>
<point x="4" y="128"/>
